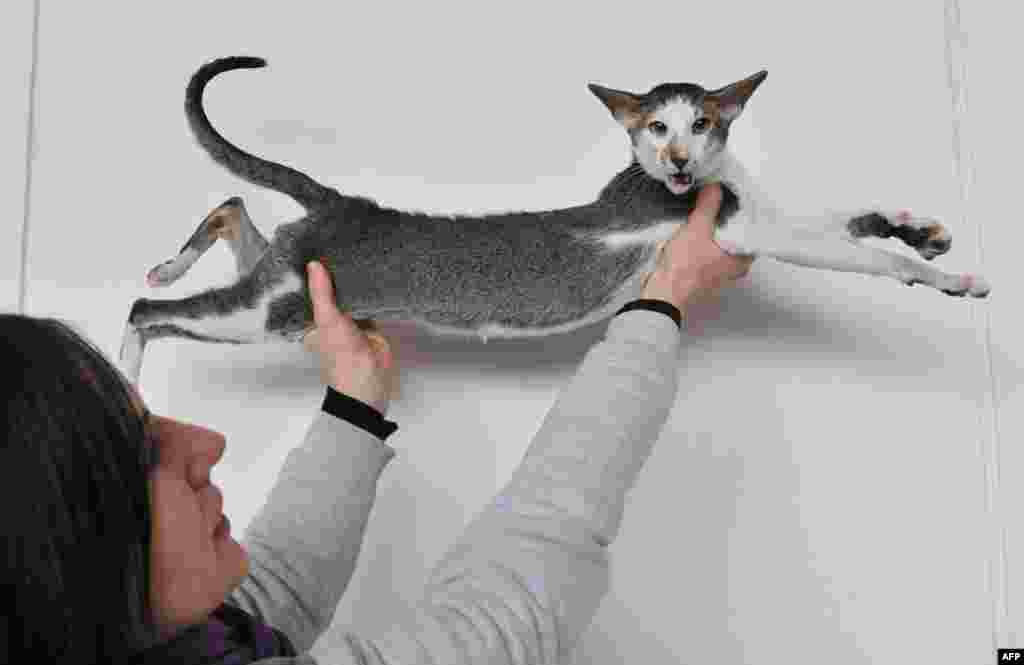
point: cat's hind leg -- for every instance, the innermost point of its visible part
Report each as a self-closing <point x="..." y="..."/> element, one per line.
<point x="229" y="221"/>
<point x="258" y="308"/>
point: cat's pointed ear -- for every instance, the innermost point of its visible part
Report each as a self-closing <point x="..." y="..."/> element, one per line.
<point x="625" y="106"/>
<point x="731" y="99"/>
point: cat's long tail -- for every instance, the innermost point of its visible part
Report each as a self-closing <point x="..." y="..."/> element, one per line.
<point x="309" y="193"/>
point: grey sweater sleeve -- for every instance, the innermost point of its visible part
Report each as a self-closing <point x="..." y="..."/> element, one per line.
<point x="527" y="575"/>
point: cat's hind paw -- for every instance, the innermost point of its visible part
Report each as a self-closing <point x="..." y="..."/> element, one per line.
<point x="171" y="270"/>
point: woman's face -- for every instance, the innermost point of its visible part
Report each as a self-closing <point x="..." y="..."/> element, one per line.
<point x="193" y="567"/>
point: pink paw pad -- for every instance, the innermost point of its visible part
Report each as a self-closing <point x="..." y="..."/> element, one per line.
<point x="903" y="216"/>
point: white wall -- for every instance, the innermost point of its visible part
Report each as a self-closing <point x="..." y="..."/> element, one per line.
<point x="16" y="25"/>
<point x="837" y="479"/>
<point x="991" y="144"/>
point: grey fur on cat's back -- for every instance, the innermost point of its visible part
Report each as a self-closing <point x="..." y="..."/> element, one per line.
<point x="520" y="270"/>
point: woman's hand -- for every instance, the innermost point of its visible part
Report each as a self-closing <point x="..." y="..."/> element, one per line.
<point x="358" y="364"/>
<point x="691" y="265"/>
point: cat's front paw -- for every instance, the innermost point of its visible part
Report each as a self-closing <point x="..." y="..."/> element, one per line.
<point x="927" y="236"/>
<point x="937" y="242"/>
<point x="970" y="285"/>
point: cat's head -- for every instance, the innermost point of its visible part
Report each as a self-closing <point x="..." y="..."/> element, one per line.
<point x="677" y="129"/>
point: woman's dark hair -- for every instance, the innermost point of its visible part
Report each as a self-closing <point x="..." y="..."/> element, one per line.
<point x="74" y="501"/>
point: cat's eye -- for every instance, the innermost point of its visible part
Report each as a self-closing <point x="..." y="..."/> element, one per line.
<point x="700" y="125"/>
<point x="657" y="127"/>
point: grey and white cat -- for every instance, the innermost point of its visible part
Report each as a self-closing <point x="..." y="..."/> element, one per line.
<point x="512" y="274"/>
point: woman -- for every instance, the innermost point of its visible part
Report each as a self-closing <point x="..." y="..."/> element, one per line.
<point x="113" y="551"/>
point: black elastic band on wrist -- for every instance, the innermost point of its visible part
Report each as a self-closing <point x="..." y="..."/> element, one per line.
<point x="655" y="306"/>
<point x="358" y="413"/>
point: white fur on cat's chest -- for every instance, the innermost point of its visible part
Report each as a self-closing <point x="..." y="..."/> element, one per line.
<point x="653" y="235"/>
<point x="729" y="237"/>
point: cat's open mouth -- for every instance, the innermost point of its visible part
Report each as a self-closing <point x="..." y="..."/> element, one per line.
<point x="679" y="183"/>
